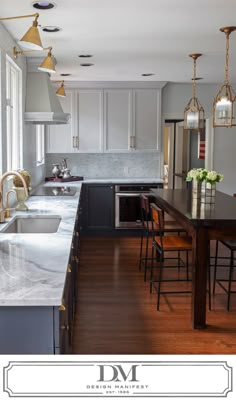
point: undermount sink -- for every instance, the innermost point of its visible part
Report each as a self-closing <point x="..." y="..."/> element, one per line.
<point x="55" y="191"/>
<point x="37" y="224"/>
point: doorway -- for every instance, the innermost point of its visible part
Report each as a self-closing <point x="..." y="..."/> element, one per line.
<point x="181" y="153"/>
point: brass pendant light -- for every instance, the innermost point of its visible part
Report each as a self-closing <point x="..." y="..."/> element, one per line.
<point x="224" y="102"/>
<point x="61" y="90"/>
<point x="194" y="115"/>
<point x="31" y="39"/>
<point x="47" y="65"/>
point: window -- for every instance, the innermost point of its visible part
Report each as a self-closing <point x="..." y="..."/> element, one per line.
<point x="40" y="144"/>
<point x="13" y="115"/>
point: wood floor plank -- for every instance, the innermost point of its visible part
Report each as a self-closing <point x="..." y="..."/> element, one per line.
<point x="115" y="313"/>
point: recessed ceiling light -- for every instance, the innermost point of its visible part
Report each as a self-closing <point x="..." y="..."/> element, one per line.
<point x="65" y="74"/>
<point x="50" y="29"/>
<point x="43" y="5"/>
<point x="86" y="64"/>
<point x="85" y="55"/>
<point x="147" y="74"/>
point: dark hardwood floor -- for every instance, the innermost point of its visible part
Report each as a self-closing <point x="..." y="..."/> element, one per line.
<point x="115" y="313"/>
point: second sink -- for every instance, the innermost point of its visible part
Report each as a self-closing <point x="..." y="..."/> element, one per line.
<point x="37" y="224"/>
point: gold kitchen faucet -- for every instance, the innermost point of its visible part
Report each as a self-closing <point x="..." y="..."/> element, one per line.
<point x="10" y="173"/>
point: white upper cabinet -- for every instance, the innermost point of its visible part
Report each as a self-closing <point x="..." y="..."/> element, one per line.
<point x="89" y="121"/>
<point x="108" y="120"/>
<point x="146" y="119"/>
<point x="59" y="136"/>
<point x="117" y="119"/>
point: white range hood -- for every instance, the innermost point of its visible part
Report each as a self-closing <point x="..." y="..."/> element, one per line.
<point x="42" y="104"/>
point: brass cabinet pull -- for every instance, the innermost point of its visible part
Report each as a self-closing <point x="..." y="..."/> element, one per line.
<point x="69" y="268"/>
<point x="62" y="307"/>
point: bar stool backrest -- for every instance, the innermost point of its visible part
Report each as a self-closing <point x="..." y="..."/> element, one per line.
<point x="157" y="219"/>
<point x="145" y="210"/>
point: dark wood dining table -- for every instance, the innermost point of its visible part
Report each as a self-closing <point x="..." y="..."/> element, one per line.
<point x="203" y="222"/>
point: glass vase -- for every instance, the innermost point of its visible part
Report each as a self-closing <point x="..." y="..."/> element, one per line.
<point x="196" y="189"/>
<point x="208" y="192"/>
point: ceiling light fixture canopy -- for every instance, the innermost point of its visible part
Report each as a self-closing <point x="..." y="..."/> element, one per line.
<point x="194" y="115"/>
<point x="224" y="102"/>
<point x="61" y="90"/>
<point x="47" y="65"/>
<point x="31" y="39"/>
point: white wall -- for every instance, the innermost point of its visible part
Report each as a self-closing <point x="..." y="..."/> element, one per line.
<point x="29" y="138"/>
<point x="175" y="97"/>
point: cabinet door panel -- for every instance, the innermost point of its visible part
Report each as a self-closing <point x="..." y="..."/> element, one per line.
<point x="146" y="118"/>
<point x="118" y="120"/>
<point x="59" y="136"/>
<point x="89" y="120"/>
<point x="100" y="206"/>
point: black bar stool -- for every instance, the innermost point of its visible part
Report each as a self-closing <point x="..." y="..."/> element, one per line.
<point x="231" y="246"/>
<point x="148" y="227"/>
<point x="161" y="244"/>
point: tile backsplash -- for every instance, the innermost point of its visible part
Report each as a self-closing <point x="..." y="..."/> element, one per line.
<point x="103" y="166"/>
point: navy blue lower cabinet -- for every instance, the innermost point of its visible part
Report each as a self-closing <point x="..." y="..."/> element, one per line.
<point x="99" y="207"/>
<point x="39" y="329"/>
<point x="35" y="330"/>
<point x="27" y="330"/>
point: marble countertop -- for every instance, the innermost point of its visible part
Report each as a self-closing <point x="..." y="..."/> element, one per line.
<point x="33" y="266"/>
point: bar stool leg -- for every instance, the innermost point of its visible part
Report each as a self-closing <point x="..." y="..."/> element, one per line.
<point x="151" y="271"/>
<point x="146" y="256"/>
<point x="209" y="279"/>
<point x="187" y="275"/>
<point x="159" y="281"/>
<point x="215" y="267"/>
<point x="230" y="277"/>
<point x="141" y="250"/>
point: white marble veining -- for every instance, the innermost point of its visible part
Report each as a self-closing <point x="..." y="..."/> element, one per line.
<point x="33" y="265"/>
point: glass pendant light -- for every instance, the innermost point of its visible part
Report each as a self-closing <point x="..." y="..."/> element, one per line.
<point x="224" y="102"/>
<point x="194" y="118"/>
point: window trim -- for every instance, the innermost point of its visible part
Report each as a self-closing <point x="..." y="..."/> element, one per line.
<point x="16" y="133"/>
<point x="40" y="144"/>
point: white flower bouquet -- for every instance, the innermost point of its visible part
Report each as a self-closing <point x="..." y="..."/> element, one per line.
<point x="204" y="175"/>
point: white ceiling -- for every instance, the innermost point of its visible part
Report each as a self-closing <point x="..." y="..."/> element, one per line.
<point x="131" y="37"/>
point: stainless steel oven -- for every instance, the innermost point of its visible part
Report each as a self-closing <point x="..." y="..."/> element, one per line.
<point x="127" y="204"/>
